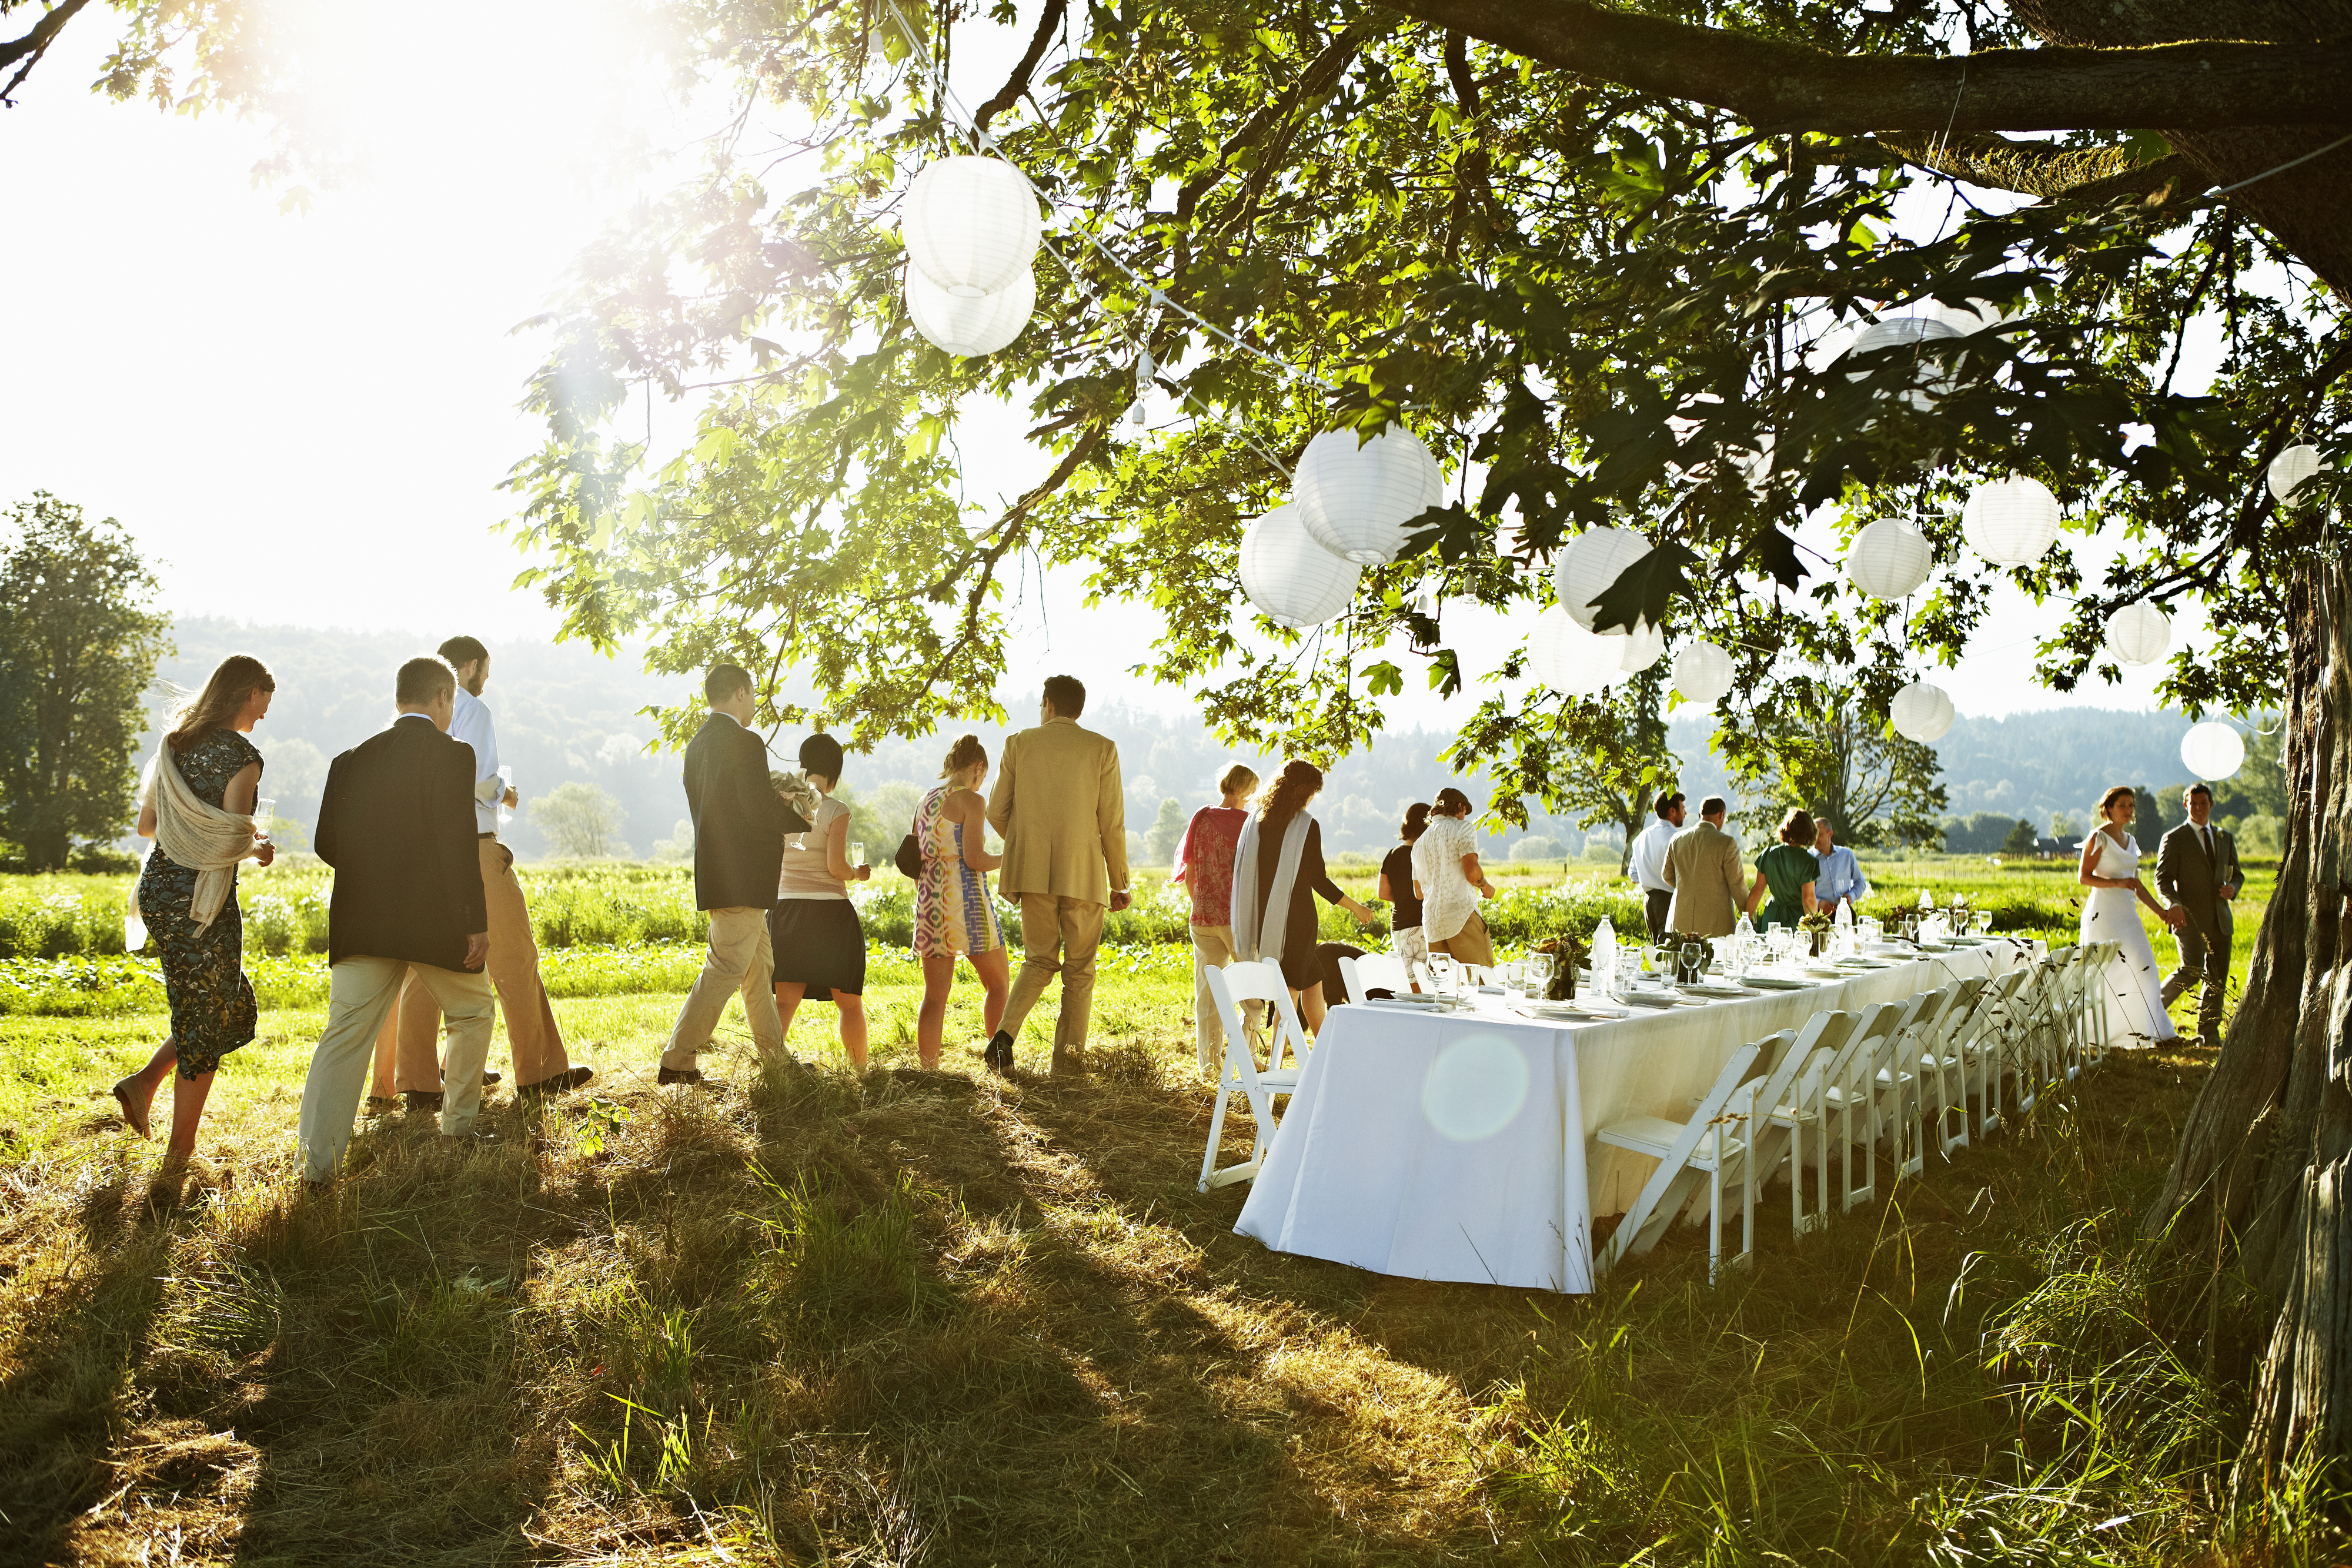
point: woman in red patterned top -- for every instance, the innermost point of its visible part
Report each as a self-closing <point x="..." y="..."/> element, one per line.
<point x="1204" y="865"/>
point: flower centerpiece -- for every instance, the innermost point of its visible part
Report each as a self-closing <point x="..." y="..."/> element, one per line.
<point x="1817" y="928"/>
<point x="1568" y="955"/>
<point x="1683" y="973"/>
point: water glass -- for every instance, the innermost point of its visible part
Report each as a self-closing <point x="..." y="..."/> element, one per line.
<point x="856" y="851"/>
<point x="1534" y="976"/>
<point x="1441" y="974"/>
<point x="1693" y="961"/>
<point x="265" y="811"/>
<point x="506" y="782"/>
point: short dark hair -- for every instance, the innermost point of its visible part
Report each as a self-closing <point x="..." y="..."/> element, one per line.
<point x="1067" y="694"/>
<point x="725" y="680"/>
<point x="422" y="679"/>
<point x="464" y="650"/>
<point x="1668" y="802"/>
<point x="822" y="754"/>
<point x="1713" y="806"/>
<point x="2200" y="788"/>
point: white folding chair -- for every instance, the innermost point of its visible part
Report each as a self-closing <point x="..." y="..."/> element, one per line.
<point x="1684" y="1150"/>
<point x="1943" y="1071"/>
<point x="1982" y="1047"/>
<point x="1796" y="1103"/>
<point x="1850" y="1090"/>
<point x="1781" y="1056"/>
<point x="1373" y="972"/>
<point x="2037" y="1058"/>
<point x="1230" y="987"/>
<point x="2093" y="1022"/>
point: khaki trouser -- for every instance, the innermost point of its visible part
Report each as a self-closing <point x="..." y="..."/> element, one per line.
<point x="741" y="960"/>
<point x="2207" y="959"/>
<point x="1470" y="944"/>
<point x="411" y="1029"/>
<point x="359" y="992"/>
<point x="1213" y="948"/>
<point x="1058" y="936"/>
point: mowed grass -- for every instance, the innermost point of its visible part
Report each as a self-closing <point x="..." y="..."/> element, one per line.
<point x="937" y="1318"/>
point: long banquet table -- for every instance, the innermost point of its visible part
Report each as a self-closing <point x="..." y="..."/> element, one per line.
<point x="1460" y="1145"/>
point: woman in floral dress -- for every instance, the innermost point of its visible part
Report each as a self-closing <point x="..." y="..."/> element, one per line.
<point x="203" y="969"/>
<point x="954" y="915"/>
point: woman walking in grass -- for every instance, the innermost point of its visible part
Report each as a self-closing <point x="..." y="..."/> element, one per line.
<point x="1204" y="865"/>
<point x="1278" y="872"/>
<point x="1450" y="882"/>
<point x="954" y="916"/>
<point x="196" y="803"/>
<point x="1406" y="939"/>
<point x="812" y="929"/>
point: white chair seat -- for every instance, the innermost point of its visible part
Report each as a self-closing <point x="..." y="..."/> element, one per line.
<point x="1654" y="1136"/>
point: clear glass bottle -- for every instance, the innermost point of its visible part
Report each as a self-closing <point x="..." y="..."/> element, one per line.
<point x="1604" y="958"/>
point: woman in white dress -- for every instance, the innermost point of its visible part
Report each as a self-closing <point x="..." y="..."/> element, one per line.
<point x="2111" y="914"/>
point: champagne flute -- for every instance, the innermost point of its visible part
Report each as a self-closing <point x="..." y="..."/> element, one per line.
<point x="265" y="811"/>
<point x="857" y="852"/>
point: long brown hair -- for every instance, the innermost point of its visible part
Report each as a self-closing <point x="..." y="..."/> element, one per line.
<point x="224" y="697"/>
<point x="1797" y="828"/>
<point x="1297" y="783"/>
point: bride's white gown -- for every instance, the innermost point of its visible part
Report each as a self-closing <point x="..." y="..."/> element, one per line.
<point x="2112" y="915"/>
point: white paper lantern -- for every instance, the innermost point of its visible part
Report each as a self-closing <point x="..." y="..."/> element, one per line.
<point x="2290" y="469"/>
<point x="1889" y="559"/>
<point x="2212" y="750"/>
<point x="1355" y="499"/>
<point x="1644" y="646"/>
<point x="971" y="225"/>
<point x="1573" y="661"/>
<point x="1590" y="565"/>
<point x="1932" y="378"/>
<point x="2012" y="521"/>
<point x="1294" y="580"/>
<point x="1702" y="672"/>
<point x="2138" y="634"/>
<point x="1921" y="712"/>
<point x="980" y="325"/>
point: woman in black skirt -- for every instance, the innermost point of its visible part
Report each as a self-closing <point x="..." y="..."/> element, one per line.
<point x="1274" y="890"/>
<point x="819" y="945"/>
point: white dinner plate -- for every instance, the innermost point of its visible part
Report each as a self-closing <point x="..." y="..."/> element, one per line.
<point x="1715" y="990"/>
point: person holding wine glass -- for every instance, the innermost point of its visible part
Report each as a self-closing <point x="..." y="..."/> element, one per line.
<point x="197" y="802"/>
<point x="812" y="929"/>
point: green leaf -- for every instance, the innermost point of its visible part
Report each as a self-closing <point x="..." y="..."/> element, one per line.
<point x="1643" y="590"/>
<point x="1384" y="680"/>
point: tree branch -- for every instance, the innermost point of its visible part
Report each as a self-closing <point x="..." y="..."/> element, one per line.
<point x="1779" y="86"/>
<point x="1048" y="22"/>
<point x="33" y="46"/>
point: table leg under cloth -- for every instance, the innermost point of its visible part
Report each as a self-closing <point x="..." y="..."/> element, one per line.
<point x="1460" y="1147"/>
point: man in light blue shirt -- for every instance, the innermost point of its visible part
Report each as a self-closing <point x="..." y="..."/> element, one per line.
<point x="1839" y="880"/>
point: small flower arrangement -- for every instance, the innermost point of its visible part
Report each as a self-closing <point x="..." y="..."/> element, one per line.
<point x="797" y="792"/>
<point x="1568" y="955"/>
<point x="1817" y="928"/>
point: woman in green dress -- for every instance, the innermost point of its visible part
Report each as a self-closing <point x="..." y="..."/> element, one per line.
<point x="1787" y="871"/>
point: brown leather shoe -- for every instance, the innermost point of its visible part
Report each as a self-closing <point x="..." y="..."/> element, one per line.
<point x="417" y="1100"/>
<point x="563" y="1082"/>
<point x="683" y="1075"/>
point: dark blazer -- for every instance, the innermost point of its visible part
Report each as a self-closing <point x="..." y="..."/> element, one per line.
<point x="739" y="821"/>
<point x="2186" y="878"/>
<point x="397" y="824"/>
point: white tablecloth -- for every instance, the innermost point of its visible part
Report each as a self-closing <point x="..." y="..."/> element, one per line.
<point x="1459" y="1146"/>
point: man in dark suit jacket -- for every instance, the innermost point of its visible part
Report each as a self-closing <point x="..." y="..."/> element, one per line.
<point x="2196" y="870"/>
<point x="397" y="824"/>
<point x="740" y="824"/>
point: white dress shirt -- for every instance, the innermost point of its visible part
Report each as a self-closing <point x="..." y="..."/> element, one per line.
<point x="1447" y="899"/>
<point x="469" y="721"/>
<point x="1648" y="864"/>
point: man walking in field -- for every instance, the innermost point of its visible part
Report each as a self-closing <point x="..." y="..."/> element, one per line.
<point x="1060" y="808"/>
<point x="2197" y="871"/>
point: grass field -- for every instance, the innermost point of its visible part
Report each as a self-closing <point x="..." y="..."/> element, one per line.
<point x="937" y="1318"/>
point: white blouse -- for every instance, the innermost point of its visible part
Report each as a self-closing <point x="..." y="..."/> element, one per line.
<point x="1447" y="899"/>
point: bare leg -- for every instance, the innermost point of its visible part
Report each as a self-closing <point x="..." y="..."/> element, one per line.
<point x="932" y="1017"/>
<point x="852" y="1028"/>
<point x="1311" y="1009"/>
<point x="188" y="1097"/>
<point x="136" y="1093"/>
<point x="995" y="972"/>
<point x="788" y="1000"/>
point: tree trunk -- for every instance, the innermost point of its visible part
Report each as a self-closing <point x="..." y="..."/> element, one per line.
<point x="2265" y="1158"/>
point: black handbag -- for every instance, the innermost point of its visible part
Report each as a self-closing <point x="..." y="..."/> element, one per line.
<point x="910" y="858"/>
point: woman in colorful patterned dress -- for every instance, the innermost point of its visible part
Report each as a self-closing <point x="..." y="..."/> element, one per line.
<point x="190" y="909"/>
<point x="1204" y="865"/>
<point x="954" y="915"/>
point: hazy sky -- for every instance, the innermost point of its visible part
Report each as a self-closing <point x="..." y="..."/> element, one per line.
<point x="305" y="419"/>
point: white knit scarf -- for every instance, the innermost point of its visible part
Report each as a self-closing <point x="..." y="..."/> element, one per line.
<point x="195" y="834"/>
<point x="1250" y="942"/>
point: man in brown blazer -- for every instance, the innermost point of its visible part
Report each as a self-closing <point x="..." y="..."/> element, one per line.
<point x="2197" y="871"/>
<point x="1703" y="868"/>
<point x="1058" y="804"/>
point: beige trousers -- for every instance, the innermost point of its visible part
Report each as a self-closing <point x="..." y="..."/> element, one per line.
<point x="359" y="992"/>
<point x="741" y="960"/>
<point x="410" y="1036"/>
<point x="1470" y="944"/>
<point x="1213" y="948"/>
<point x="1058" y="936"/>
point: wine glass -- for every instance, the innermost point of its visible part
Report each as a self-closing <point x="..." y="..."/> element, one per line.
<point x="265" y="811"/>
<point x="1984" y="921"/>
<point x="1441" y="974"/>
<point x="506" y="782"/>
<point x="1691" y="961"/>
<point x="1534" y="976"/>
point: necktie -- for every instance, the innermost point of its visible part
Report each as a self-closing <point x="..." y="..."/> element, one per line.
<point x="2205" y="837"/>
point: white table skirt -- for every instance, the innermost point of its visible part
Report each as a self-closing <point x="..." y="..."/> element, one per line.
<point x="1459" y="1146"/>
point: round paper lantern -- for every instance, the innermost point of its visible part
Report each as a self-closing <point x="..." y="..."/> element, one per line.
<point x="1644" y="646"/>
<point x="1295" y="581"/>
<point x="979" y="325"/>
<point x="2138" y="634"/>
<point x="2012" y="521"/>
<point x="1355" y="499"/>
<point x="1702" y="672"/>
<point x="971" y="225"/>
<point x="1591" y="562"/>
<point x="2212" y="750"/>
<point x="1889" y="559"/>
<point x="1572" y="660"/>
<point x="2290" y="469"/>
<point x="1932" y="379"/>
<point x="1921" y="712"/>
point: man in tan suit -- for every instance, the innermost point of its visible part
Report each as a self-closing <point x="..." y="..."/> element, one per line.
<point x="1058" y="804"/>
<point x="2196" y="870"/>
<point x="1703" y="868"/>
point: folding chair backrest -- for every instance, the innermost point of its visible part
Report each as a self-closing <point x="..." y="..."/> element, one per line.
<point x="1377" y="972"/>
<point x="1663" y="1195"/>
<point x="1262" y="981"/>
<point x="1230" y="987"/>
<point x="1352" y="975"/>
